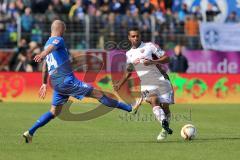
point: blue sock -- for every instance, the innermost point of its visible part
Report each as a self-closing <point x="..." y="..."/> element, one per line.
<point x="44" y="119"/>
<point x="115" y="104"/>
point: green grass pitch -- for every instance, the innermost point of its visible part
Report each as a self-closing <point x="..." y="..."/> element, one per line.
<point x="117" y="135"/>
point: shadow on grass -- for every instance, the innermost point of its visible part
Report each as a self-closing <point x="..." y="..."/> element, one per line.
<point x="197" y="140"/>
<point x="176" y="141"/>
<point x="218" y="139"/>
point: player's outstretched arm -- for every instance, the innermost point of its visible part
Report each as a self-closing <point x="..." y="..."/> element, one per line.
<point x="125" y="77"/>
<point x="43" y="54"/>
<point x="43" y="88"/>
<point x="162" y="60"/>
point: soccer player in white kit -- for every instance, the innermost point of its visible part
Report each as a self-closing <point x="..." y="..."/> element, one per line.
<point x="156" y="88"/>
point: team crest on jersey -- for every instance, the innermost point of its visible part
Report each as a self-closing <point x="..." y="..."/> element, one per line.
<point x="55" y="41"/>
<point x="142" y="50"/>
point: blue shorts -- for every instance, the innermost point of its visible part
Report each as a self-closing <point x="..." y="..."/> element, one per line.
<point x="69" y="86"/>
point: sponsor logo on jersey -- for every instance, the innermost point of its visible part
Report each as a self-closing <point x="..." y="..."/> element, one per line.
<point x="55" y="41"/>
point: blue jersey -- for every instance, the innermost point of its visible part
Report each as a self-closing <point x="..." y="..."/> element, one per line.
<point x="58" y="61"/>
<point x="63" y="81"/>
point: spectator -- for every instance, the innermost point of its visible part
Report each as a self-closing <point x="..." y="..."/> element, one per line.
<point x="11" y="32"/>
<point x="77" y="11"/>
<point x="147" y="7"/>
<point x="66" y="6"/>
<point x="232" y="18"/>
<point x="51" y="14"/>
<point x="93" y="8"/>
<point x="131" y="20"/>
<point x="191" y="29"/>
<point x="176" y="5"/>
<point x="57" y="6"/>
<point x="40" y="6"/>
<point x="21" y="50"/>
<point x="197" y="13"/>
<point x="159" y="5"/>
<point x="146" y="27"/>
<point x="178" y="62"/>
<point x="2" y="29"/>
<point x="132" y="7"/>
<point x="160" y="19"/>
<point x="110" y="28"/>
<point x="183" y="13"/>
<point x="115" y="6"/>
<point x="3" y="7"/>
<point x="177" y="26"/>
<point x="168" y="3"/>
<point x="118" y="6"/>
<point x="20" y="6"/>
<point x="123" y="7"/>
<point x="159" y="16"/>
<point x="27" y="20"/>
<point x="211" y="13"/>
<point x="4" y="62"/>
<point x="24" y="57"/>
<point x="31" y="65"/>
<point x="95" y="29"/>
<point x="105" y="7"/>
<point x="169" y="23"/>
<point x="36" y="34"/>
<point x="12" y="11"/>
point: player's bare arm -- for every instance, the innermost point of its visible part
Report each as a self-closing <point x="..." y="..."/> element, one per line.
<point x="162" y="60"/>
<point x="125" y="77"/>
<point x="43" y="88"/>
<point x="43" y="54"/>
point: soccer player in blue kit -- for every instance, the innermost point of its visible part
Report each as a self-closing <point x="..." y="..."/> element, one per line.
<point x="58" y="65"/>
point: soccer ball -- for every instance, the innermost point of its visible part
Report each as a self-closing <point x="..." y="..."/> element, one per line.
<point x="188" y="132"/>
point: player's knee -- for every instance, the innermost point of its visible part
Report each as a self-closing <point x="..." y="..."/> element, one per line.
<point x="153" y="100"/>
<point x="55" y="112"/>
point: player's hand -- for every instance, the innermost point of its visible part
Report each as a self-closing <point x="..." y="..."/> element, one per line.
<point x="116" y="86"/>
<point x="38" y="58"/>
<point x="147" y="62"/>
<point x="43" y="91"/>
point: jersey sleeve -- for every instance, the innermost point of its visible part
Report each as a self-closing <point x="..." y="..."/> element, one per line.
<point x="157" y="50"/>
<point x="56" y="42"/>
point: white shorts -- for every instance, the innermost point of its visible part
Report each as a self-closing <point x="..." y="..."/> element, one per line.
<point x="167" y="98"/>
<point x="164" y="97"/>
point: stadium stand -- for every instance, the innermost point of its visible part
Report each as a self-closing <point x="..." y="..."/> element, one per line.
<point x="92" y="24"/>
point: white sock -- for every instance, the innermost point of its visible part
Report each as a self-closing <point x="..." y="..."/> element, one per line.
<point x="159" y="113"/>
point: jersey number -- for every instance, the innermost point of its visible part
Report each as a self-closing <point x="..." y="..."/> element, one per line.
<point x="51" y="62"/>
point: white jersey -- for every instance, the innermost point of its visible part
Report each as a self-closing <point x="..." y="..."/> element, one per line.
<point x="151" y="76"/>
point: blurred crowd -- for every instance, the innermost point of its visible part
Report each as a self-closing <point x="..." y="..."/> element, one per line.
<point x="21" y="59"/>
<point x="108" y="18"/>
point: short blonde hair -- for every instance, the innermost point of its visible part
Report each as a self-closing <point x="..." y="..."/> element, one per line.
<point x="56" y="23"/>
